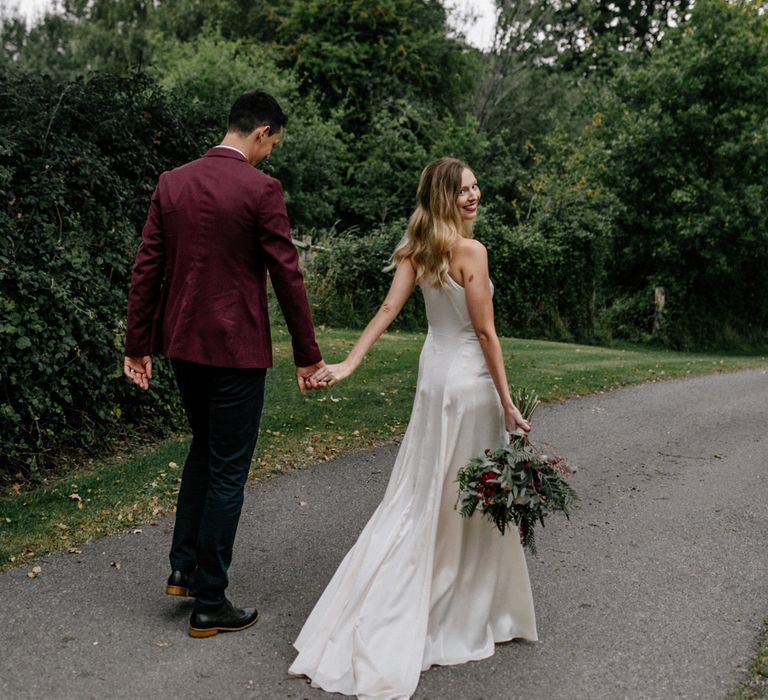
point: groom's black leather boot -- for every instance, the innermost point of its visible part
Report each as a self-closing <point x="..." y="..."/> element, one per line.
<point x="225" y="618"/>
<point x="181" y="583"/>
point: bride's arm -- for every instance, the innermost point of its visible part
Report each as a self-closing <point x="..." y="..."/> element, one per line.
<point x="403" y="284"/>
<point x="474" y="269"/>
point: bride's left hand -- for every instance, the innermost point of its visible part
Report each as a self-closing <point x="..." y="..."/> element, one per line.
<point x="329" y="375"/>
<point x="514" y="421"/>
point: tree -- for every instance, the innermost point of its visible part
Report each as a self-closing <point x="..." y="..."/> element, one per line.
<point x="78" y="37"/>
<point x="689" y="161"/>
<point x="594" y="36"/>
<point x="356" y="56"/>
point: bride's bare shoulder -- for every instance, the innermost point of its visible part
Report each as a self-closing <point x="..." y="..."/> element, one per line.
<point x="469" y="248"/>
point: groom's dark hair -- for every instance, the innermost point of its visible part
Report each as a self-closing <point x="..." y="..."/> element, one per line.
<point x="255" y="109"/>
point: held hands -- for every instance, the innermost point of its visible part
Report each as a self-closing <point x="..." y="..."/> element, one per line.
<point x="138" y="370"/>
<point x="330" y="375"/>
<point x="322" y="376"/>
<point x="304" y="374"/>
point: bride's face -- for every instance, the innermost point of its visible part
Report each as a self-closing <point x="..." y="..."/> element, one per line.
<point x="469" y="196"/>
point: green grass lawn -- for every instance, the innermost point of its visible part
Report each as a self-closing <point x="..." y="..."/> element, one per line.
<point x="369" y="408"/>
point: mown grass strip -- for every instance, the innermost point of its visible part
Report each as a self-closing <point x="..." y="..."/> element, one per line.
<point x="369" y="408"/>
<point x="755" y="684"/>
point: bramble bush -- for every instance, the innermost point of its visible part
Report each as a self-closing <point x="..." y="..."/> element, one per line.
<point x="78" y="162"/>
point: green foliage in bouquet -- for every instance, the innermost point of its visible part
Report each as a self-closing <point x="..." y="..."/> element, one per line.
<point x="516" y="483"/>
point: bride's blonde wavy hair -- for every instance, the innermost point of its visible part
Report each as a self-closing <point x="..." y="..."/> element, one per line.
<point x="436" y="224"/>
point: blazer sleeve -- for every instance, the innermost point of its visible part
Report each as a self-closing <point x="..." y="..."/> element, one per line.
<point x="282" y="261"/>
<point x="146" y="282"/>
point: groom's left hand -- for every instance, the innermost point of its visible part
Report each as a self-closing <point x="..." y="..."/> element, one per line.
<point x="303" y="375"/>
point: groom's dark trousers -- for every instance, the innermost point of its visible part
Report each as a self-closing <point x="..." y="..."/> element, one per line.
<point x="223" y="407"/>
<point x="198" y="295"/>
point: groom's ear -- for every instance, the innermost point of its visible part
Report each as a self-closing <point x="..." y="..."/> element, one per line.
<point x="262" y="131"/>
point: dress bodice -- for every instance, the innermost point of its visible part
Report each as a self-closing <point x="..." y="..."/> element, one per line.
<point x="447" y="311"/>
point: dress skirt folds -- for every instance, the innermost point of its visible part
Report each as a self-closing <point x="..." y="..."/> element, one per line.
<point x="422" y="585"/>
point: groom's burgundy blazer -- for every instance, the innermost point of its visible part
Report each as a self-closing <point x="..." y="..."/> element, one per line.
<point x="198" y="288"/>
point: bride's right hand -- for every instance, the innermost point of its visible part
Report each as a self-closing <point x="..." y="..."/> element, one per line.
<point x="329" y="375"/>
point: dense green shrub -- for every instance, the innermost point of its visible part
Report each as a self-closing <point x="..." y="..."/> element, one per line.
<point x="78" y="162"/>
<point x="549" y="269"/>
<point x="347" y="282"/>
<point x="547" y="274"/>
<point x="520" y="261"/>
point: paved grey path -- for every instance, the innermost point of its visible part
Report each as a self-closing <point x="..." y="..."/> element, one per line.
<point x="656" y="589"/>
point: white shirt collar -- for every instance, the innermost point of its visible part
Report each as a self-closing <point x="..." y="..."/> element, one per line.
<point x="233" y="148"/>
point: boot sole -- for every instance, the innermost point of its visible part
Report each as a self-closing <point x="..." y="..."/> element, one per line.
<point x="199" y="633"/>
<point x="179" y="590"/>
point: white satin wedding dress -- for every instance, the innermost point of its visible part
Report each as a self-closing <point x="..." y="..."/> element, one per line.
<point x="422" y="585"/>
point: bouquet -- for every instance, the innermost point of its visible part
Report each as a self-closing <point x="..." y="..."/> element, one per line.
<point x="516" y="483"/>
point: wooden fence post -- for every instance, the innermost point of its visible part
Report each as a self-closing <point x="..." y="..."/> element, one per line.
<point x="658" y="296"/>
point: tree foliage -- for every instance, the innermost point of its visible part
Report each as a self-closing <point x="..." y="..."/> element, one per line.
<point x="689" y="141"/>
<point x="597" y="36"/>
<point x="208" y="70"/>
<point x="357" y="55"/>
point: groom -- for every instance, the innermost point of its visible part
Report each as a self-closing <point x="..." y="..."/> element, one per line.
<point x="216" y="227"/>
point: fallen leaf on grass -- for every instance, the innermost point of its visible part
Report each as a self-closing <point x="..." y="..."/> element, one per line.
<point x="61" y="526"/>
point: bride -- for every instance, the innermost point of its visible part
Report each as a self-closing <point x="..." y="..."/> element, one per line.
<point x="423" y="586"/>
